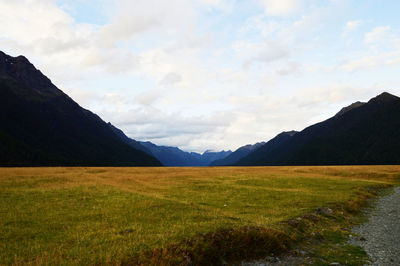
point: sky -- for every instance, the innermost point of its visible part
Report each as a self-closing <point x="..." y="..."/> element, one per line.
<point x="209" y="74"/>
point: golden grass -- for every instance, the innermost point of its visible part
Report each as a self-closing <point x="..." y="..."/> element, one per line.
<point x="89" y="215"/>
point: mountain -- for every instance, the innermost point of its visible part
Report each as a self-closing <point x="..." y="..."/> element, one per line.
<point x="172" y="156"/>
<point x="274" y="144"/>
<point x="209" y="156"/>
<point x="350" y="107"/>
<point x="41" y="126"/>
<point x="131" y="142"/>
<point x="237" y="155"/>
<point x="366" y="133"/>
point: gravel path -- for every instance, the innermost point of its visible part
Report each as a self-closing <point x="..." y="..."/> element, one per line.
<point x="380" y="236"/>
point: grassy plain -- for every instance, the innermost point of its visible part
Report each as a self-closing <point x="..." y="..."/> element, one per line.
<point x="110" y="215"/>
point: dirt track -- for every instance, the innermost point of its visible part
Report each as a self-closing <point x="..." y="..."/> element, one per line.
<point x="380" y="236"/>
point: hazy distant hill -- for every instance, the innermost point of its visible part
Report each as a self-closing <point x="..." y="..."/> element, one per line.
<point x="40" y="125"/>
<point x="363" y="133"/>
<point x="235" y="156"/>
<point x="210" y="156"/>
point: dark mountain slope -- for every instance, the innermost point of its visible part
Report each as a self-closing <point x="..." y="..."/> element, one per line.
<point x="367" y="134"/>
<point x="257" y="156"/>
<point x="133" y="143"/>
<point x="42" y="126"/>
<point x="235" y="156"/>
<point x="171" y="156"/>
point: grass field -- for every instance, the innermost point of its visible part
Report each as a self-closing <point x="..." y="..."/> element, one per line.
<point x="112" y="215"/>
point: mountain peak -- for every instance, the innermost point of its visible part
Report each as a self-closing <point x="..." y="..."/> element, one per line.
<point x="6" y="59"/>
<point x="23" y="59"/>
<point x="350" y="107"/>
<point x="288" y="133"/>
<point x="21" y="69"/>
<point x="291" y="133"/>
<point x="384" y="97"/>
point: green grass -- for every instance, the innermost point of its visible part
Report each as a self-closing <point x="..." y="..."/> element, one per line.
<point x="130" y="215"/>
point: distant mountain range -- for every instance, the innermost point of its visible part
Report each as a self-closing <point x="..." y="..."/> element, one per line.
<point x="172" y="156"/>
<point x="235" y="156"/>
<point x="42" y="126"/>
<point x="362" y="133"/>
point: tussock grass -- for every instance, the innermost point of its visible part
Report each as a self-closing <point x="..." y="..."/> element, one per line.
<point x="214" y="248"/>
<point x="171" y="215"/>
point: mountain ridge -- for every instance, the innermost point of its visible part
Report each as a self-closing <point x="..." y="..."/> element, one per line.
<point x="350" y="107"/>
<point x="368" y="134"/>
<point x="268" y="147"/>
<point x="43" y="126"/>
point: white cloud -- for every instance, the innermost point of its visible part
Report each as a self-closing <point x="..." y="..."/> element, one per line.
<point x="393" y="61"/>
<point x="371" y="61"/>
<point x="378" y="34"/>
<point x="290" y="68"/>
<point x="382" y="51"/>
<point x="125" y="27"/>
<point x="46" y="28"/>
<point x="281" y="7"/>
<point x="350" y="27"/>
<point x="367" y="62"/>
<point x="170" y="79"/>
<point x="279" y="39"/>
<point x="262" y="52"/>
<point x="149" y="97"/>
<point x="225" y="5"/>
<point x="260" y="24"/>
